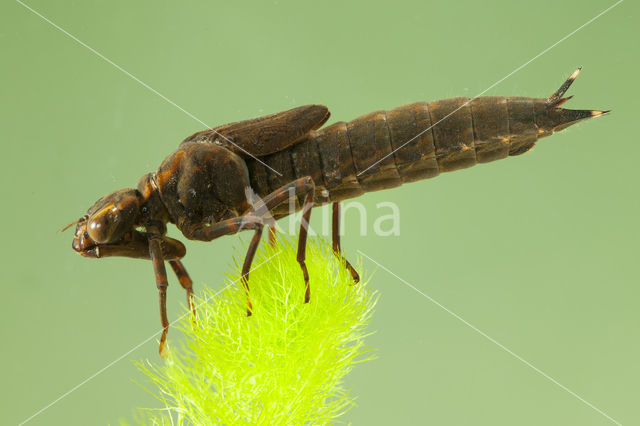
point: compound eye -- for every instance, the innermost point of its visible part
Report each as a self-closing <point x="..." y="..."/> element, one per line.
<point x="103" y="224"/>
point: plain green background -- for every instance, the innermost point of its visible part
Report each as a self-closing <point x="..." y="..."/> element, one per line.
<point x="540" y="251"/>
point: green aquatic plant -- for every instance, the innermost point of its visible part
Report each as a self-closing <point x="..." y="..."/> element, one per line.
<point x="285" y="364"/>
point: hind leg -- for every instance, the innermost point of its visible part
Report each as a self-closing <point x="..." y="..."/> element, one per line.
<point x="336" y="243"/>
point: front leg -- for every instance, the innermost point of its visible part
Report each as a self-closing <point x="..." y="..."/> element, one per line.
<point x="155" y="251"/>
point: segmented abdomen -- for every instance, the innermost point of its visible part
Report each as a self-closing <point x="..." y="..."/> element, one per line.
<point x="384" y="149"/>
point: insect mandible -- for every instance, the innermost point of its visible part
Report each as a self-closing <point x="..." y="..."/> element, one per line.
<point x="203" y="186"/>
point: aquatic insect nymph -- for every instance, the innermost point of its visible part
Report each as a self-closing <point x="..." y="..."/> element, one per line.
<point x="202" y="186"/>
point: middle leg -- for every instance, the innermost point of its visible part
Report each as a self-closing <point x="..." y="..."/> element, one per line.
<point x="251" y="220"/>
<point x="302" y="186"/>
<point x="272" y="235"/>
<point x="302" y="241"/>
<point x="229" y="227"/>
<point x="248" y="260"/>
<point x="185" y="281"/>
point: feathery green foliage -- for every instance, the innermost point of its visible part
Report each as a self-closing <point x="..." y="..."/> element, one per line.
<point x="285" y="364"/>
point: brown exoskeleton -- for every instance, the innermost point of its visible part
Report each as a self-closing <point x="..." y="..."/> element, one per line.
<point x="202" y="187"/>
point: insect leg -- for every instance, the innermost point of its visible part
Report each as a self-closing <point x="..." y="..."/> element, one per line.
<point x="297" y="187"/>
<point x="185" y="282"/>
<point x="228" y="227"/>
<point x="234" y="225"/>
<point x="335" y="234"/>
<point x="336" y="242"/>
<point x="272" y="236"/>
<point x="200" y="232"/>
<point x="302" y="239"/>
<point x="300" y="186"/>
<point x="155" y="251"/>
<point x="246" y="266"/>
